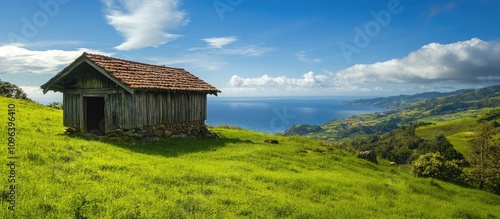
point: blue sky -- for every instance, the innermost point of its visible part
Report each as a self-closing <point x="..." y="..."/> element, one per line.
<point x="263" y="48"/>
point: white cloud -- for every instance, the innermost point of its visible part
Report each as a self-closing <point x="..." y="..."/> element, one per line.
<point x="208" y="59"/>
<point x="464" y="62"/>
<point x="212" y="57"/>
<point x="37" y="95"/>
<point x="461" y="64"/>
<point x="302" y="56"/>
<point x="192" y="61"/>
<point x="145" y="23"/>
<point x="246" y="51"/>
<point x="294" y="91"/>
<point x="307" y="80"/>
<point x="15" y="59"/>
<point x="219" y="42"/>
<point x="216" y="45"/>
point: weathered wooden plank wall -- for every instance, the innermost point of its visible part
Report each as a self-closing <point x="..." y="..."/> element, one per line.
<point x="71" y="110"/>
<point x="126" y="111"/>
<point x="144" y="109"/>
<point x="91" y="79"/>
<point x="114" y="110"/>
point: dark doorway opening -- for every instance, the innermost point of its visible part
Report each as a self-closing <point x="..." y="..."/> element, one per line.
<point x="94" y="115"/>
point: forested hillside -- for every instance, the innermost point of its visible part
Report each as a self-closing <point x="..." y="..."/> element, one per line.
<point x="460" y="104"/>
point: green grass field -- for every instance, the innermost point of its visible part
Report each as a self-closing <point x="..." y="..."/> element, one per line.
<point x="456" y="131"/>
<point x="238" y="176"/>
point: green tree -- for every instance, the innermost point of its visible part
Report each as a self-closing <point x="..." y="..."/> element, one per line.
<point x="442" y="145"/>
<point x="10" y="90"/>
<point x="484" y="158"/>
<point x="436" y="166"/>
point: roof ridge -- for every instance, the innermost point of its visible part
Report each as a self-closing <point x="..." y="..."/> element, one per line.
<point x="86" y="54"/>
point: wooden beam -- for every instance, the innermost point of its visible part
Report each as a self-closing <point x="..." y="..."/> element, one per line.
<point x="61" y="75"/>
<point x="95" y="91"/>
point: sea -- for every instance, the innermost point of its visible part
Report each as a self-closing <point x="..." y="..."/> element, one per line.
<point x="276" y="114"/>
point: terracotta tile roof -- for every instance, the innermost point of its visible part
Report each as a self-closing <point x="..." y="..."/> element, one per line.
<point x="138" y="75"/>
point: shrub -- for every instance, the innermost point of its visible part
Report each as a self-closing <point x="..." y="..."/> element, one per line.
<point x="436" y="166"/>
<point x="56" y="105"/>
<point x="11" y="90"/>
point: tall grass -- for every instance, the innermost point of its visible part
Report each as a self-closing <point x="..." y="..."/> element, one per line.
<point x="236" y="176"/>
<point x="227" y="126"/>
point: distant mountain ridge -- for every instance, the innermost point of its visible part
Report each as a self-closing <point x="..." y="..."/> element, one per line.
<point x="396" y="102"/>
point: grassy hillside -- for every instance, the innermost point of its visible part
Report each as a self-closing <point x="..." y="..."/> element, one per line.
<point x="58" y="176"/>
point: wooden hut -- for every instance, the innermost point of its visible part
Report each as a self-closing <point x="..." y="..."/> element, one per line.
<point x="105" y="95"/>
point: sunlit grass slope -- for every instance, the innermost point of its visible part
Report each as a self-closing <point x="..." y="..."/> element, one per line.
<point x="238" y="176"/>
<point x="457" y="128"/>
<point x="456" y="131"/>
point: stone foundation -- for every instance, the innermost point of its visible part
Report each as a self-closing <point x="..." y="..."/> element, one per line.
<point x="194" y="128"/>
